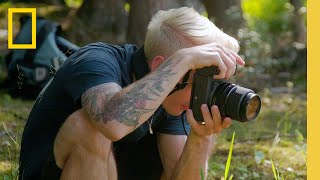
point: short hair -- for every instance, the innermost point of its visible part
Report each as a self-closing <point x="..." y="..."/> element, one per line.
<point x="174" y="29"/>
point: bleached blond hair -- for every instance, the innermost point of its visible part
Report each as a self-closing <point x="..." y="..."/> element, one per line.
<point x="172" y="30"/>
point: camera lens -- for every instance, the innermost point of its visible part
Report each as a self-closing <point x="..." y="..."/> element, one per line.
<point x="253" y="106"/>
<point x="236" y="102"/>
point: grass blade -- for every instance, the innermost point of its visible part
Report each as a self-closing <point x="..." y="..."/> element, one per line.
<point x="5" y="128"/>
<point x="229" y="158"/>
<point x="274" y="171"/>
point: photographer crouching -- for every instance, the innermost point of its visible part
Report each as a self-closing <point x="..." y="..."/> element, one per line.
<point x="92" y="119"/>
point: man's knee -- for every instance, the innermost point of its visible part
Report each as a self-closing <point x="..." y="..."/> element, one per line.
<point x="78" y="134"/>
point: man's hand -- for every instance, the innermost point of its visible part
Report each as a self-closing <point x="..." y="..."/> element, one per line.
<point x="213" y="54"/>
<point x="200" y="142"/>
<point x="213" y="121"/>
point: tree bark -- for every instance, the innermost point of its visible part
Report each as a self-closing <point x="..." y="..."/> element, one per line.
<point x="99" y="20"/>
<point x="226" y="14"/>
<point x="300" y="30"/>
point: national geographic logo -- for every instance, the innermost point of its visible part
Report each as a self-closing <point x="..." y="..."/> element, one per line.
<point x="31" y="11"/>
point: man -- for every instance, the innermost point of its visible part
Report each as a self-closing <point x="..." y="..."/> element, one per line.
<point x="103" y="97"/>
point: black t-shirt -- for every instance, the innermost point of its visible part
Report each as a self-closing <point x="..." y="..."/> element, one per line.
<point x="93" y="64"/>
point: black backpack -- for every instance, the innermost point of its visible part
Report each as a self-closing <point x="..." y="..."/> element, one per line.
<point x="29" y="70"/>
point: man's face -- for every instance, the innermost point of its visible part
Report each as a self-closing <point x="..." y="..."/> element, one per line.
<point x="179" y="101"/>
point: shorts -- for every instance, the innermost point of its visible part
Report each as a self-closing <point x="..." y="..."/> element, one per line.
<point x="136" y="155"/>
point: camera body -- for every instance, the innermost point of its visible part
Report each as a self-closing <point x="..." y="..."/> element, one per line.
<point x="236" y="102"/>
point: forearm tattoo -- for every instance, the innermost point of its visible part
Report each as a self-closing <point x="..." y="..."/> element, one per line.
<point x="131" y="103"/>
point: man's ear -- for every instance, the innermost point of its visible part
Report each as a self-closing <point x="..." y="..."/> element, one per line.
<point x="156" y="61"/>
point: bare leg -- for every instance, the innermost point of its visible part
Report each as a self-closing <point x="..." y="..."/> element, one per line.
<point x="82" y="151"/>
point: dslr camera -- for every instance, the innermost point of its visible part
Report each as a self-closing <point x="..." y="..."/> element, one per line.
<point x="238" y="103"/>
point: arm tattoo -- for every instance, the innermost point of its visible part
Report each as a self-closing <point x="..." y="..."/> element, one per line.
<point x="130" y="104"/>
<point x="95" y="98"/>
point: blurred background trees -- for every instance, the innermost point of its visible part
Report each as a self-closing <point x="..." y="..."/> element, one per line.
<point x="272" y="33"/>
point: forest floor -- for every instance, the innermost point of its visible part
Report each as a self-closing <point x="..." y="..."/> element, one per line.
<point x="278" y="135"/>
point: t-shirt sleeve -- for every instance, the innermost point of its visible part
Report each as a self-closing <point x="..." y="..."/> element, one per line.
<point x="89" y="69"/>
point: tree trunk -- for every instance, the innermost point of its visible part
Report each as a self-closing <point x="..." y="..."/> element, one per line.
<point x="141" y="12"/>
<point x="300" y="30"/>
<point x="226" y="14"/>
<point x="300" y="36"/>
<point x="99" y="20"/>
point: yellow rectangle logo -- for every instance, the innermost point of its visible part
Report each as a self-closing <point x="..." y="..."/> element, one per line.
<point x="33" y="44"/>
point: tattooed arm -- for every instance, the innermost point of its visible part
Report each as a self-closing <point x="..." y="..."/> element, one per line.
<point x="116" y="112"/>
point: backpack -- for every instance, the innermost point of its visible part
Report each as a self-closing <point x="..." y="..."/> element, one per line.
<point x="29" y="70"/>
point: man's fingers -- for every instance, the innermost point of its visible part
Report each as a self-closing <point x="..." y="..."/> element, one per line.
<point x="228" y="61"/>
<point x="193" y="123"/>
<point x="239" y="60"/>
<point x="226" y="122"/>
<point x="207" y="116"/>
<point x="216" y="118"/>
<point x="233" y="59"/>
<point x="222" y="67"/>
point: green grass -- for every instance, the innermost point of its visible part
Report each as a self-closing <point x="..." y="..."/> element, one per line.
<point x="275" y="171"/>
<point x="13" y="115"/>
<point x="286" y="144"/>
<point x="229" y="159"/>
<point x="279" y="131"/>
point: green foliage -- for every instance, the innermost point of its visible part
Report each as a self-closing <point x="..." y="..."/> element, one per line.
<point x="3" y="10"/>
<point x="268" y="40"/>
<point x="205" y="14"/>
<point x="267" y="15"/>
<point x="257" y="52"/>
<point x="127" y="7"/>
<point x="201" y="174"/>
<point x="74" y="3"/>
